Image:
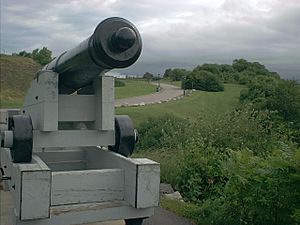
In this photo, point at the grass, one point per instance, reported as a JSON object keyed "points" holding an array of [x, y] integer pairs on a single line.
{"points": [[11, 104], [17, 72], [134, 87], [15, 76], [206, 105], [184, 209]]}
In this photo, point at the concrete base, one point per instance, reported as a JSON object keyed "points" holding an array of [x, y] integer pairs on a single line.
{"points": [[6, 211]]}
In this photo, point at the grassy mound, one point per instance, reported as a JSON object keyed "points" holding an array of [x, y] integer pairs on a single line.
{"points": [[17, 72], [15, 76]]}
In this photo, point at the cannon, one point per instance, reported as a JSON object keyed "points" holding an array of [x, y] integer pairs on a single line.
{"points": [[115, 43], [65, 155]]}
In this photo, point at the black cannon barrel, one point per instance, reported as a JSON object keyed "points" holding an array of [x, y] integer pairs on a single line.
{"points": [[115, 43]]}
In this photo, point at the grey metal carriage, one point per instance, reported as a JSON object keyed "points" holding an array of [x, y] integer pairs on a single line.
{"points": [[65, 155]]}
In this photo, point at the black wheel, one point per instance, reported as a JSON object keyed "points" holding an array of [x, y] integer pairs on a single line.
{"points": [[21, 126], [138, 221], [125, 136]]}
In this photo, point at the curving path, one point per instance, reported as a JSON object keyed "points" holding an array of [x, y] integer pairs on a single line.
{"points": [[166, 93]]}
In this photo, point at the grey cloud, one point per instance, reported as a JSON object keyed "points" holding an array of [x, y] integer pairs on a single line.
{"points": [[175, 33]]}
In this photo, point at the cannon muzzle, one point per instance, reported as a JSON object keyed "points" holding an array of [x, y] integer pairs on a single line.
{"points": [[115, 43]]}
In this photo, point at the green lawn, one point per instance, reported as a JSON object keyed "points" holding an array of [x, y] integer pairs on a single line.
{"points": [[205, 105], [168, 81], [11, 103], [134, 87]]}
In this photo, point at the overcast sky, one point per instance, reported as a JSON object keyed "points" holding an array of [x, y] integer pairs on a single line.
{"points": [[175, 33]]}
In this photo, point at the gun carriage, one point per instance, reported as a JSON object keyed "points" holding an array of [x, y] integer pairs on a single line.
{"points": [[65, 155]]}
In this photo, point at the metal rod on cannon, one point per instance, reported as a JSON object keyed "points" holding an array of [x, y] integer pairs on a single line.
{"points": [[115, 43]]}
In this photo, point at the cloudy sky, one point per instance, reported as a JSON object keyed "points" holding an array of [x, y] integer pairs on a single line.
{"points": [[177, 33]]}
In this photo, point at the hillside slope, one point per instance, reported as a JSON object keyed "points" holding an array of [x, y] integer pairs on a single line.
{"points": [[201, 105], [16, 73]]}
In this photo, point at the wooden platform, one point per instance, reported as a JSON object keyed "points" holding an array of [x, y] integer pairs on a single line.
{"points": [[6, 207]]}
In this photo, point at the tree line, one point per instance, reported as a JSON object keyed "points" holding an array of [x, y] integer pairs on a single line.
{"points": [[43, 56], [241, 168], [210, 77]]}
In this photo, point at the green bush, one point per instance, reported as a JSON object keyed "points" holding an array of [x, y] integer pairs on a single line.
{"points": [[42, 56], [238, 170], [119, 83], [165, 131], [238, 186], [243, 128], [202, 80], [200, 176], [243, 168], [258, 190], [279, 96], [285, 98]]}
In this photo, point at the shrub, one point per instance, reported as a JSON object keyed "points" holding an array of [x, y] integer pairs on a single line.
{"points": [[280, 96], [165, 131], [285, 98], [119, 83], [243, 128], [200, 176], [202, 80], [258, 190], [239, 187]]}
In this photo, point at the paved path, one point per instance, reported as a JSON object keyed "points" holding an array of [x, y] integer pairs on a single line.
{"points": [[161, 216], [167, 92]]}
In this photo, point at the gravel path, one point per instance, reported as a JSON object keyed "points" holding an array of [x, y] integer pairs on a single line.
{"points": [[166, 93]]}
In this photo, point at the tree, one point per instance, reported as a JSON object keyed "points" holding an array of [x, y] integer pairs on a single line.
{"points": [[168, 73], [42, 56], [285, 99], [148, 76], [213, 68], [240, 65], [24, 54], [176, 74], [202, 80]]}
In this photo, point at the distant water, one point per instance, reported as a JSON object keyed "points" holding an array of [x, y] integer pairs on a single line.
{"points": [[286, 72]]}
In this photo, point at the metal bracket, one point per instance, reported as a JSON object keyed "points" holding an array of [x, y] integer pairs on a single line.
{"points": [[5, 178]]}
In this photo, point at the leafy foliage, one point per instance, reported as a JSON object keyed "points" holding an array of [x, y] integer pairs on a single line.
{"points": [[238, 170], [280, 96], [258, 190], [242, 168], [166, 131], [202, 80], [241, 71], [148, 76], [119, 83], [175, 74], [42, 56]]}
